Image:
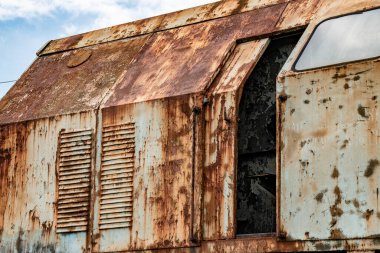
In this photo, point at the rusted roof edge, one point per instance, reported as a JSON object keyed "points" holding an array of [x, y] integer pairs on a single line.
{"points": [[154, 24], [95, 108]]}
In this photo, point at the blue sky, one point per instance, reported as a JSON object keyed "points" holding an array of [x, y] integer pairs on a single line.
{"points": [[26, 25]]}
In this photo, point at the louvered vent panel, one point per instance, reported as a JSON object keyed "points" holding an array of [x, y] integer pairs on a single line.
{"points": [[74, 180], [116, 201]]}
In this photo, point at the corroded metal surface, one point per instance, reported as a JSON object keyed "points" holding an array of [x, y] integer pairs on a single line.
{"points": [[272, 244], [180, 89], [159, 23], [29, 189], [322, 134], [163, 175], [188, 58], [298, 13], [49, 87], [329, 8]]}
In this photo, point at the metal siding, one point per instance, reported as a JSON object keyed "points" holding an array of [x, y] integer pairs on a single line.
{"points": [[162, 185], [329, 160], [168, 139], [297, 14], [27, 212]]}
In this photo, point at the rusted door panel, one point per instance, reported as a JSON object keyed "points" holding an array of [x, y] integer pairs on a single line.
{"points": [[298, 13], [330, 156], [219, 212], [163, 175], [29, 186]]}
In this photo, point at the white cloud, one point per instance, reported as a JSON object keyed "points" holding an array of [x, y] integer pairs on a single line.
{"points": [[10, 9]]}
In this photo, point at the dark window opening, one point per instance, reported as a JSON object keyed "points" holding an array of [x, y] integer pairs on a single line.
{"points": [[256, 171]]}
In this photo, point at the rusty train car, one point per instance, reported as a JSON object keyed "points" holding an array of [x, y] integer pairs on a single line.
{"points": [[237, 126]]}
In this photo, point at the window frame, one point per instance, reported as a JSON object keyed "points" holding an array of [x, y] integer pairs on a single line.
{"points": [[293, 68]]}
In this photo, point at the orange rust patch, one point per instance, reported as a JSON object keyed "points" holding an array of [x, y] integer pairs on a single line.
{"points": [[319, 133]]}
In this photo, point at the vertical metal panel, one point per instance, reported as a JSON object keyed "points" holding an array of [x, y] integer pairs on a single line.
{"points": [[220, 141], [118, 156], [329, 159], [74, 173], [28, 201], [162, 178]]}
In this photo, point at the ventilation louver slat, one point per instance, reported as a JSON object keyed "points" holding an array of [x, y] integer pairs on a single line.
{"points": [[74, 176], [116, 201]]}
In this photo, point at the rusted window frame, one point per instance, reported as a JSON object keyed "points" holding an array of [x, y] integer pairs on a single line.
{"points": [[293, 68]]}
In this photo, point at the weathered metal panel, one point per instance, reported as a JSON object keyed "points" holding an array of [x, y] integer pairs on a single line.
{"points": [[186, 60], [297, 14], [163, 175], [329, 8], [336, 185], [219, 212], [68, 82], [180, 18], [28, 187], [329, 160]]}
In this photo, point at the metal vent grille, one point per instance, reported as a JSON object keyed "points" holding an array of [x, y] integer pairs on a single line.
{"points": [[116, 201], [74, 180]]}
